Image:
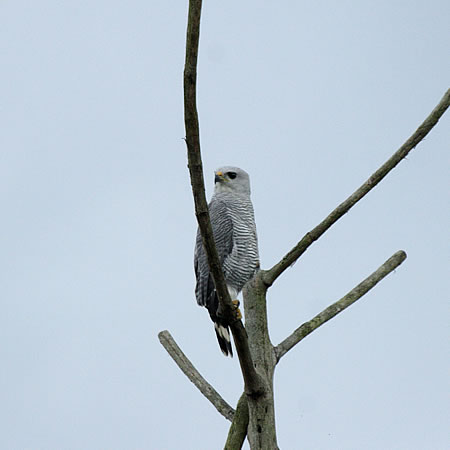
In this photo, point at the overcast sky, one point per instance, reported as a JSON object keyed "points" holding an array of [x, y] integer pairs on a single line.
{"points": [[97, 228]]}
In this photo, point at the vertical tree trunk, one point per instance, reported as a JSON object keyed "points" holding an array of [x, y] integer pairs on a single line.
{"points": [[261, 428]]}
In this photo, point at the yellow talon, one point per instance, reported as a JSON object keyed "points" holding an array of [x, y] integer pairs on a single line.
{"points": [[237, 312]]}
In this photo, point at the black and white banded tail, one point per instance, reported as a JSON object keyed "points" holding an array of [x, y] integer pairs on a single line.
{"points": [[224, 339]]}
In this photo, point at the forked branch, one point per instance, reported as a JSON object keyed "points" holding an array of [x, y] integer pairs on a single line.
{"points": [[328, 313], [271, 275]]}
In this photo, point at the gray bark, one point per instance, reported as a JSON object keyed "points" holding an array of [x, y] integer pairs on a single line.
{"points": [[238, 429], [261, 427], [194, 375]]}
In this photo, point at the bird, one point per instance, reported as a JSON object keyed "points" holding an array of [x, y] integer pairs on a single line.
{"points": [[234, 229]]}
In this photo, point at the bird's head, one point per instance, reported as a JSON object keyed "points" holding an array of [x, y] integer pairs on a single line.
{"points": [[231, 179]]}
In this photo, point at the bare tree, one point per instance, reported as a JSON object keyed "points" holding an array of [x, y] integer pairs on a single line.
{"points": [[254, 416]]}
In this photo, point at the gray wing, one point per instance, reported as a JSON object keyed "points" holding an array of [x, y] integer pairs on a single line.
{"points": [[222, 227]]}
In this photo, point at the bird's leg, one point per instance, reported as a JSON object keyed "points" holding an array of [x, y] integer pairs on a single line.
{"points": [[237, 310]]}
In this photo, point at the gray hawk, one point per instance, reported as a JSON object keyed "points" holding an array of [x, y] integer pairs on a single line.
{"points": [[234, 230]]}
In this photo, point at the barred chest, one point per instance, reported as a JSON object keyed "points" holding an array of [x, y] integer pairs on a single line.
{"points": [[244, 259]]}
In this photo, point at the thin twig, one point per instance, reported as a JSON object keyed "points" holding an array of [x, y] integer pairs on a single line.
{"points": [[271, 275], [193, 374], [328, 313], [253, 384]]}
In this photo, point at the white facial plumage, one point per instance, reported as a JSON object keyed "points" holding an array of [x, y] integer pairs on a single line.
{"points": [[231, 179]]}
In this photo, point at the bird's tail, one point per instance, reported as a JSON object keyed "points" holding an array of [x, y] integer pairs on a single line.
{"points": [[223, 337]]}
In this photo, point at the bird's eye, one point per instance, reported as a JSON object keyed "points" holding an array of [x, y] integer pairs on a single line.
{"points": [[231, 175]]}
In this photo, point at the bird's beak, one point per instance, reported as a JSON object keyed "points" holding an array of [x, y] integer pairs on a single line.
{"points": [[219, 177]]}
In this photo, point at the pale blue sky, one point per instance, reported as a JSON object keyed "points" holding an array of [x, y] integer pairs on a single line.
{"points": [[97, 229]]}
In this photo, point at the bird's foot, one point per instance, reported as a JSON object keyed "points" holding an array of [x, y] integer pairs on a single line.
{"points": [[237, 310]]}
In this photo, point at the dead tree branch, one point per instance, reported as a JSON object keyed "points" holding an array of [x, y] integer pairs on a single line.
{"points": [[238, 429], [194, 376], [271, 275], [253, 383], [328, 313], [255, 415]]}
